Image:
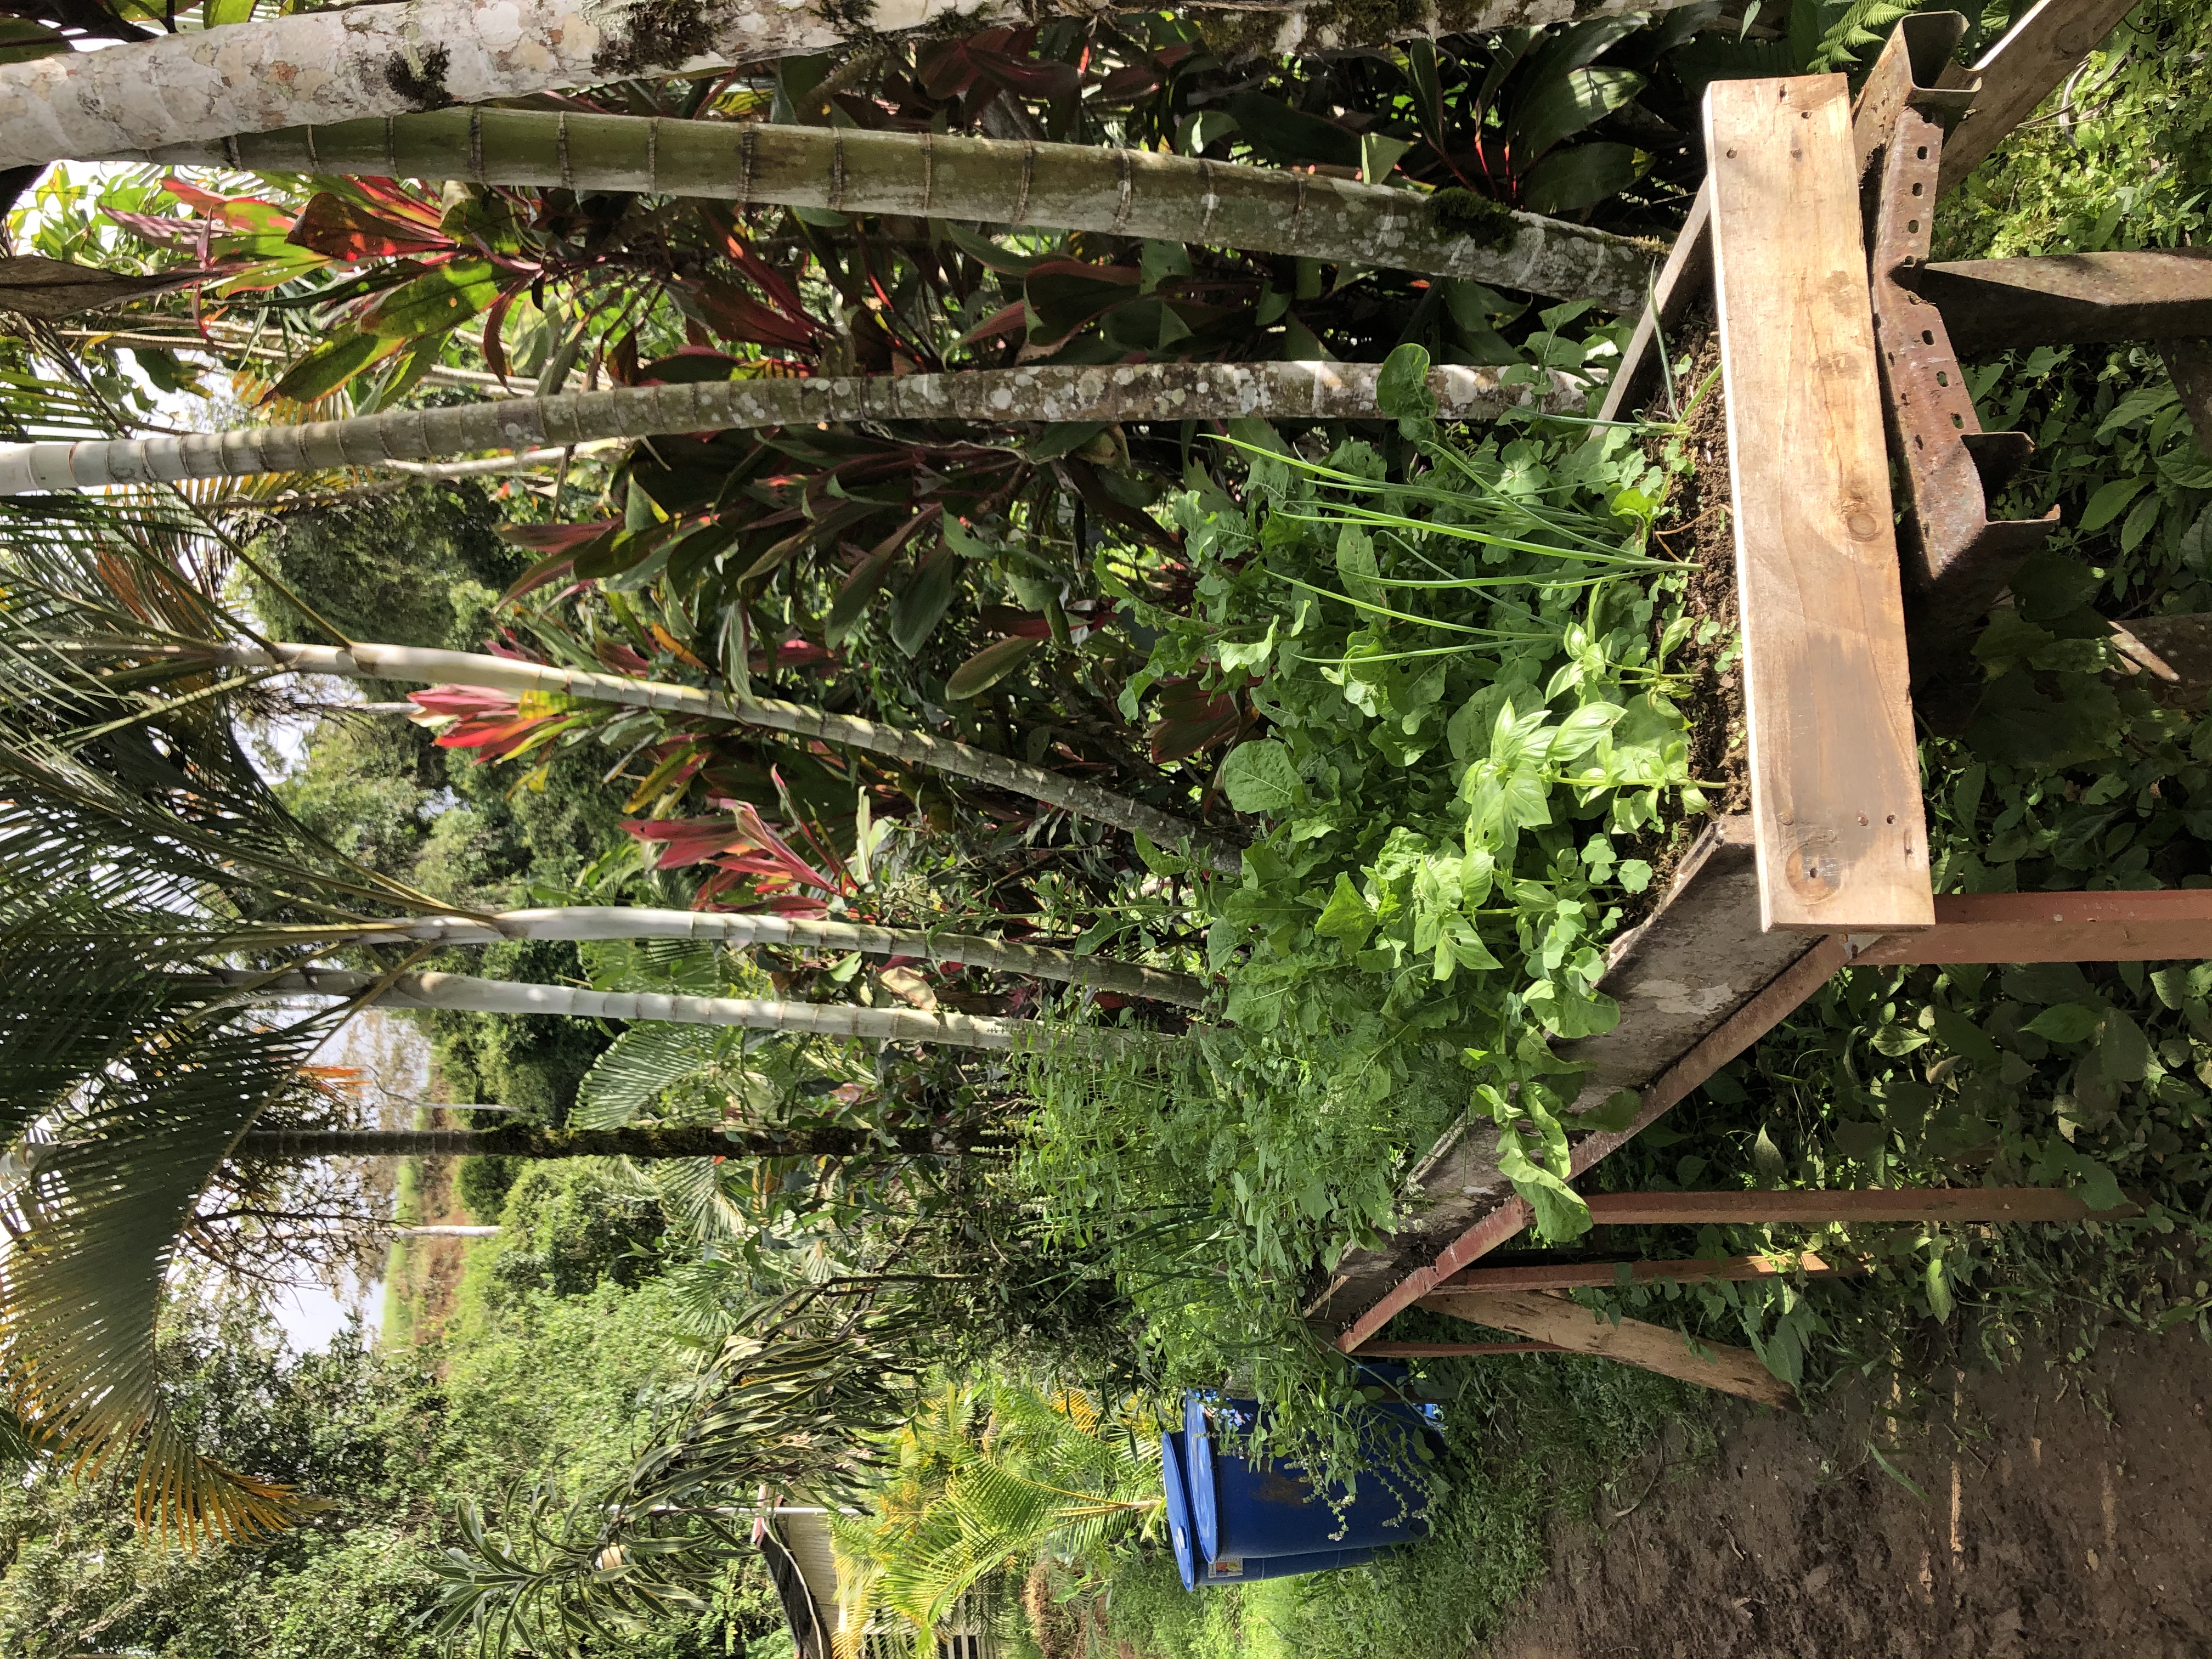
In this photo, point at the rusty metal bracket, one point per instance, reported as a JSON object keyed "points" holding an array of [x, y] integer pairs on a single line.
{"points": [[1957, 559]]}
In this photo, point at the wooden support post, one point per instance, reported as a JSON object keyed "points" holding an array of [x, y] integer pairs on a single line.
{"points": [[2190, 362], [1602, 1275], [2171, 925], [1818, 1207], [2020, 71], [1835, 769], [1630, 1341]]}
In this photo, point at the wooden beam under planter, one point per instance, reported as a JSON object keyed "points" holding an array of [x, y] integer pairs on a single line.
{"points": [[1569, 1325]]}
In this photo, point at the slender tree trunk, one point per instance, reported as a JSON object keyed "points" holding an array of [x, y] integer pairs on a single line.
{"points": [[376, 60], [636, 1140], [1129, 192], [468, 994], [1048, 393], [621, 922], [401, 662], [441, 1231]]}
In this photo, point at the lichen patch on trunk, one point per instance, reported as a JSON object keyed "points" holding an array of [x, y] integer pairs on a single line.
{"points": [[659, 35], [420, 76]]}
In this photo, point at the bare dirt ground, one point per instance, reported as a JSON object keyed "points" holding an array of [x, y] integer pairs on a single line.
{"points": [[2065, 1515]]}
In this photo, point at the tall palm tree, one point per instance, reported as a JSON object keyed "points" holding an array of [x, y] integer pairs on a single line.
{"points": [[467, 993], [738, 931], [1124, 191], [1050, 393], [346, 64], [210, 657]]}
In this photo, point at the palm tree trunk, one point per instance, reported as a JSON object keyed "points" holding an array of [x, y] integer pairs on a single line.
{"points": [[738, 932], [1128, 192], [347, 62], [403, 662], [636, 1140], [1055, 393], [468, 994]]}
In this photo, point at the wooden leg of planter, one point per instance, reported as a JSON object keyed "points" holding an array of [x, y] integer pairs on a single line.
{"points": [[2018, 72], [1818, 1207], [2190, 362], [1650, 1347], [1599, 1275], [1451, 1350], [1834, 760], [2172, 924]]}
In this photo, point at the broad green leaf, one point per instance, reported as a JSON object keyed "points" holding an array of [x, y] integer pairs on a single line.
{"points": [[1347, 916], [1260, 777], [1613, 1114], [1939, 1288], [988, 667], [1569, 180], [1560, 1211], [1378, 155], [921, 603], [331, 365], [1965, 1038], [1564, 106], [2123, 1050], [434, 302], [1402, 388], [2064, 1022], [2105, 506]]}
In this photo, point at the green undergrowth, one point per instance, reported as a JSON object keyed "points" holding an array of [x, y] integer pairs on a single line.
{"points": [[1466, 656]]}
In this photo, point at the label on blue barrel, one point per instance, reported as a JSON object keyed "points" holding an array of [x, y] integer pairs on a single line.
{"points": [[1225, 1568]]}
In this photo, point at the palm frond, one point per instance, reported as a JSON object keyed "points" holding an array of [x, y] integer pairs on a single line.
{"points": [[120, 1106]]}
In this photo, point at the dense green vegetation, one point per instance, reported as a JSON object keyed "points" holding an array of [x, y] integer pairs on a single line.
{"points": [[1443, 685]]}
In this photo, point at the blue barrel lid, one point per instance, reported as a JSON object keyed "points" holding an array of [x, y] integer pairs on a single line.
{"points": [[1181, 1534]]}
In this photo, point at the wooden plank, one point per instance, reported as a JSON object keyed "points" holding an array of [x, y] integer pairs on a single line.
{"points": [[1685, 278], [1600, 1275], [1818, 1207], [1835, 772], [2022, 69], [2172, 924], [1452, 1350], [1630, 1341], [1699, 983]]}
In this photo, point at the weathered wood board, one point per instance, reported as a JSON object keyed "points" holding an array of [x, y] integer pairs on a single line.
{"points": [[1685, 278], [1682, 977], [1554, 1319], [1842, 834]]}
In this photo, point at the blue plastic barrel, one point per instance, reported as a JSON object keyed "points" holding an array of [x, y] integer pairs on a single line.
{"points": [[1194, 1572], [1244, 1512]]}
